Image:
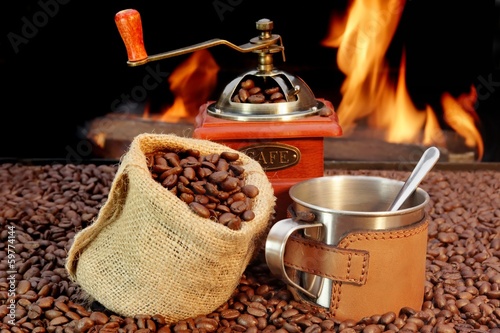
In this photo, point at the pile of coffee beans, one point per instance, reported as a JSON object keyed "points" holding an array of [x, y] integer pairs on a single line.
{"points": [[249, 92], [212, 185], [43, 206]]}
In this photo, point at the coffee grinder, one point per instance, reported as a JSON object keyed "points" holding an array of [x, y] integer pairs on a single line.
{"points": [[269, 114]]}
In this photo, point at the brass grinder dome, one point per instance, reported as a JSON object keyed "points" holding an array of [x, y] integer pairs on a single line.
{"points": [[300, 100]]}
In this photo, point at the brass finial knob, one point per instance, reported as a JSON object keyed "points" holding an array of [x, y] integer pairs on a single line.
{"points": [[265, 26]]}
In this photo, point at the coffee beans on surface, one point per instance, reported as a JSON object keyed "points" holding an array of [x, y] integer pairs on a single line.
{"points": [[43, 206]]}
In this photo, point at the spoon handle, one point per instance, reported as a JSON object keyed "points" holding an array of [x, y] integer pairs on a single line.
{"points": [[424, 165]]}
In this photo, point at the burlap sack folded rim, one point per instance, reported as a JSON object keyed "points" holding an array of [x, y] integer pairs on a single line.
{"points": [[133, 165]]}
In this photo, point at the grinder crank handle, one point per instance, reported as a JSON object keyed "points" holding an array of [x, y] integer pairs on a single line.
{"points": [[128, 22]]}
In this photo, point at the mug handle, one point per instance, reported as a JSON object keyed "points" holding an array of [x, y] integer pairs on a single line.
{"points": [[275, 248]]}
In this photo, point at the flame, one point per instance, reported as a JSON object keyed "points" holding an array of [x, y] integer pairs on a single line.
{"points": [[192, 83], [461, 118], [372, 96]]}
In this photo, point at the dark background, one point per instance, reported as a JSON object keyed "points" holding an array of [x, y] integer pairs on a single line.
{"points": [[63, 63]]}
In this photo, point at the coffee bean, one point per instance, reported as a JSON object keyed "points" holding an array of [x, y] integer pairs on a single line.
{"points": [[237, 170], [225, 218], [248, 84], [251, 93], [170, 181], [228, 184], [58, 321], [247, 320], [256, 312], [222, 165], [230, 314], [200, 209], [289, 313], [186, 197], [61, 306], [34, 311], [207, 324], [387, 318], [248, 215], [271, 91], [230, 156], [234, 224], [256, 99], [250, 191], [276, 96], [243, 95], [45, 302], [218, 177], [238, 207]]}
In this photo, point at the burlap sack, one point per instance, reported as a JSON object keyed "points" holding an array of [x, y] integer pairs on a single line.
{"points": [[148, 253]]}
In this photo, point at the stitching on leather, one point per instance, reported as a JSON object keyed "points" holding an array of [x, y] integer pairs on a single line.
{"points": [[329, 249], [350, 255], [383, 235], [335, 297], [364, 271], [349, 266], [333, 277]]}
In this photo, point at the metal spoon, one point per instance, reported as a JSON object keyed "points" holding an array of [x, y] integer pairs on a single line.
{"points": [[424, 165]]}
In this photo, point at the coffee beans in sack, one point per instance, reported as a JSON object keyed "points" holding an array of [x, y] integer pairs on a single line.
{"points": [[183, 219]]}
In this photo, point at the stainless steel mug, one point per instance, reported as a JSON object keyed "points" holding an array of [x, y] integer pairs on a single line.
{"points": [[340, 206]]}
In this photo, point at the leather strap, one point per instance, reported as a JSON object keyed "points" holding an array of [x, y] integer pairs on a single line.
{"points": [[344, 265], [395, 279]]}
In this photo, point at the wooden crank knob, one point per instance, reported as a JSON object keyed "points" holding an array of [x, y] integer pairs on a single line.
{"points": [[129, 25]]}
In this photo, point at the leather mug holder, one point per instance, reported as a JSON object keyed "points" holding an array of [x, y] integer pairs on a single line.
{"points": [[372, 272]]}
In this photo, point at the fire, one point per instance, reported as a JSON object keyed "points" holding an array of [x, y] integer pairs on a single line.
{"points": [[369, 93], [459, 117], [192, 83]]}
